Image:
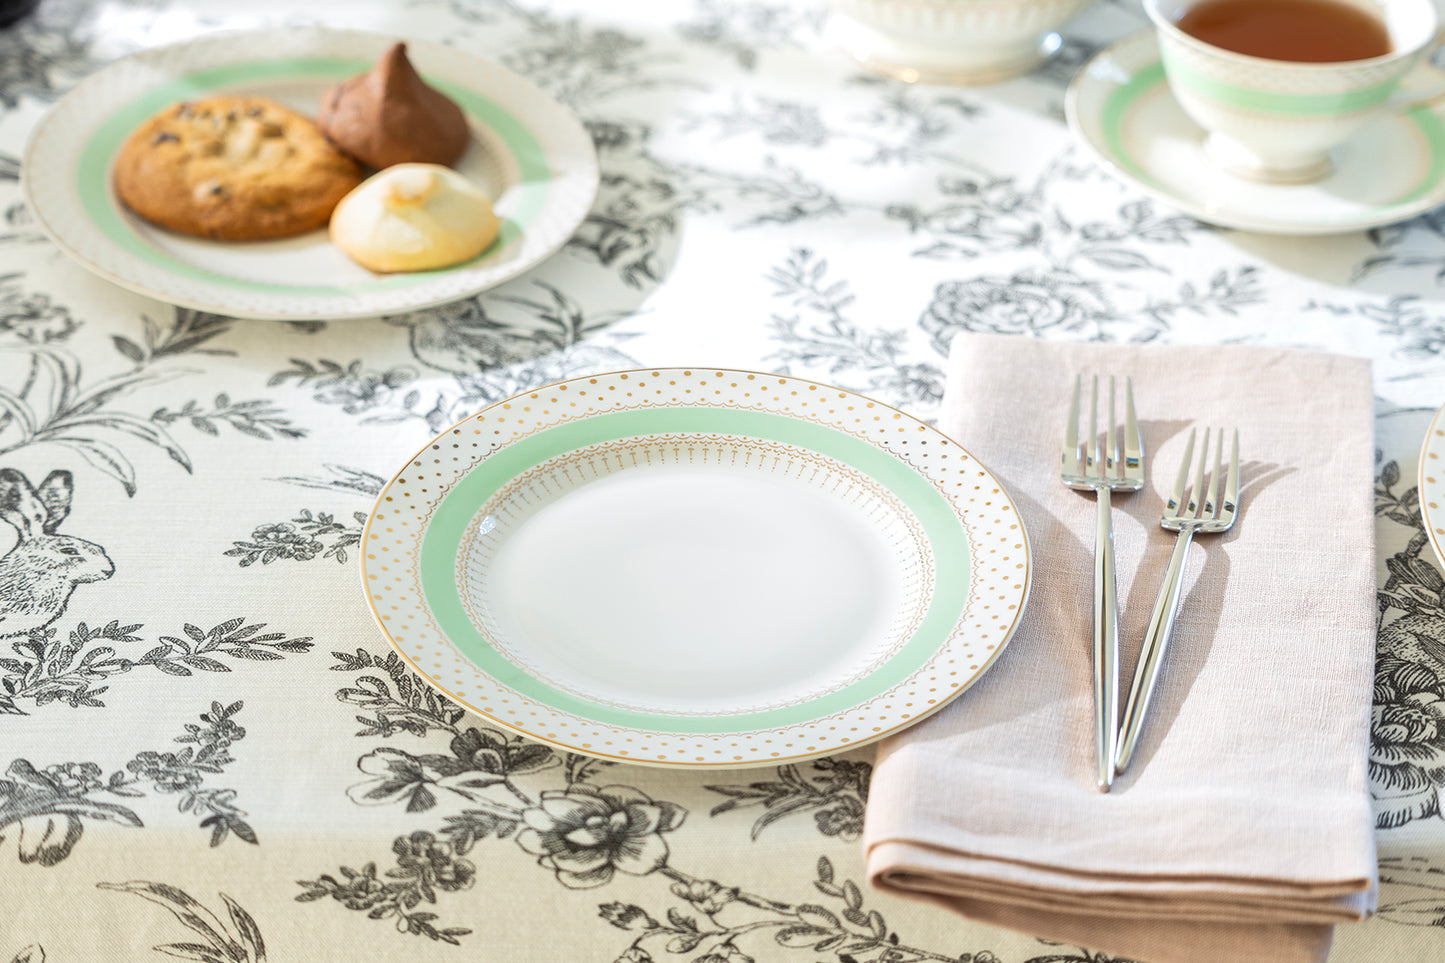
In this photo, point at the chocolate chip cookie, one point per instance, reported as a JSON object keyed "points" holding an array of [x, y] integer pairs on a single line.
{"points": [[233, 169]]}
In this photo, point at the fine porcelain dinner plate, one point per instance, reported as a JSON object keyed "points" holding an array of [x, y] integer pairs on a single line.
{"points": [[1432, 484], [696, 567], [1120, 106], [531, 155]]}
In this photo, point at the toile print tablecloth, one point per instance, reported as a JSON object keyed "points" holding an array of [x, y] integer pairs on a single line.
{"points": [[208, 752]]}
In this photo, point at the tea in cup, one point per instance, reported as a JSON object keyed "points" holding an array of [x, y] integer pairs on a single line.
{"points": [[1278, 83], [950, 41]]}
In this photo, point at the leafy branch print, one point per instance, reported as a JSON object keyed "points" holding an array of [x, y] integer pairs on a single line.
{"points": [[777, 122], [586, 834], [634, 215], [69, 670], [181, 773], [49, 670], [195, 648], [476, 334], [258, 419], [478, 760], [341, 478], [239, 943], [423, 867], [547, 338], [1225, 292], [56, 405], [743, 31], [32, 318], [188, 333], [1404, 317], [837, 792], [579, 768], [352, 387], [1075, 287], [641, 198], [835, 344], [578, 63], [852, 933], [400, 702], [43, 56], [989, 215], [1391, 237], [17, 225], [303, 538], [780, 194], [52, 407], [898, 126], [48, 805]]}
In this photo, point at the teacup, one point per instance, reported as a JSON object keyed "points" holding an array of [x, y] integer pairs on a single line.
{"points": [[1277, 120], [951, 41]]}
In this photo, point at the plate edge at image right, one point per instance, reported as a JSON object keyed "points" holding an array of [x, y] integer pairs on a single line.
{"points": [[1431, 484]]}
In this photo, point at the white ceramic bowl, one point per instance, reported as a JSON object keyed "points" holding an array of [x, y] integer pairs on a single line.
{"points": [[951, 41]]}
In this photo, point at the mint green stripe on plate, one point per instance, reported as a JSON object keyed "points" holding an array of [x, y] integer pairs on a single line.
{"points": [[441, 546], [93, 171], [1291, 105], [1117, 106]]}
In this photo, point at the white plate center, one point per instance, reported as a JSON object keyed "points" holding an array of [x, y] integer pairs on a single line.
{"points": [[694, 588]]}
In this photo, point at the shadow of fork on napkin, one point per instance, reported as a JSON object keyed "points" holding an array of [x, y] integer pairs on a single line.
{"points": [[1010, 691], [1202, 601]]}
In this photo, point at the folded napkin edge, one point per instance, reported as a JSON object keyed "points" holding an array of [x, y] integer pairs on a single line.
{"points": [[1154, 939], [1104, 906], [887, 856]]}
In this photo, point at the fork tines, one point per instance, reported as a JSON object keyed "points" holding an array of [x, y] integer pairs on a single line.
{"points": [[1088, 465], [1178, 512]]}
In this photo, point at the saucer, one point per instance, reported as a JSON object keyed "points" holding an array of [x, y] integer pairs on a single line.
{"points": [[1120, 106]]}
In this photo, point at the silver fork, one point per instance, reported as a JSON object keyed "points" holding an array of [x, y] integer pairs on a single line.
{"points": [[1086, 466], [1212, 514]]}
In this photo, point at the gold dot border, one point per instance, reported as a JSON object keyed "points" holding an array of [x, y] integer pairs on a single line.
{"points": [[999, 544]]}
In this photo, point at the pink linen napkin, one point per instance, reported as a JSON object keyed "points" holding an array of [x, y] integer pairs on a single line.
{"points": [[1242, 830]]}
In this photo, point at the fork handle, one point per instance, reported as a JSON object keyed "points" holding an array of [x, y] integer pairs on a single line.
{"points": [[1151, 655], [1106, 646]]}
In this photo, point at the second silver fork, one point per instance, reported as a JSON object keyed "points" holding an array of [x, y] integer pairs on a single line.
{"points": [[1103, 471], [1207, 511]]}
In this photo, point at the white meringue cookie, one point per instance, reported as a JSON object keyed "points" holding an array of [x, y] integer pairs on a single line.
{"points": [[414, 217]]}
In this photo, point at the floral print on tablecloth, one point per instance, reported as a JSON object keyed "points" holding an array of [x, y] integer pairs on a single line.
{"points": [[206, 745]]}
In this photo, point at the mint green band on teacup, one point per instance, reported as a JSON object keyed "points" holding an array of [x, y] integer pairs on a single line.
{"points": [[1117, 106], [1270, 102], [1147, 81], [93, 170], [1433, 130], [442, 542]]}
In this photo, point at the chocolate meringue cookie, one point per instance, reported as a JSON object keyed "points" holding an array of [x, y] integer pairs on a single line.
{"points": [[414, 217], [389, 115]]}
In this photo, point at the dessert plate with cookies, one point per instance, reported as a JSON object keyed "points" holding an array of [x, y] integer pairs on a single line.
{"points": [[311, 174]]}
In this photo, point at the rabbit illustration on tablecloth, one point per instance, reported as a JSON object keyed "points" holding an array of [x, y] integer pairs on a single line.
{"points": [[38, 574]]}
